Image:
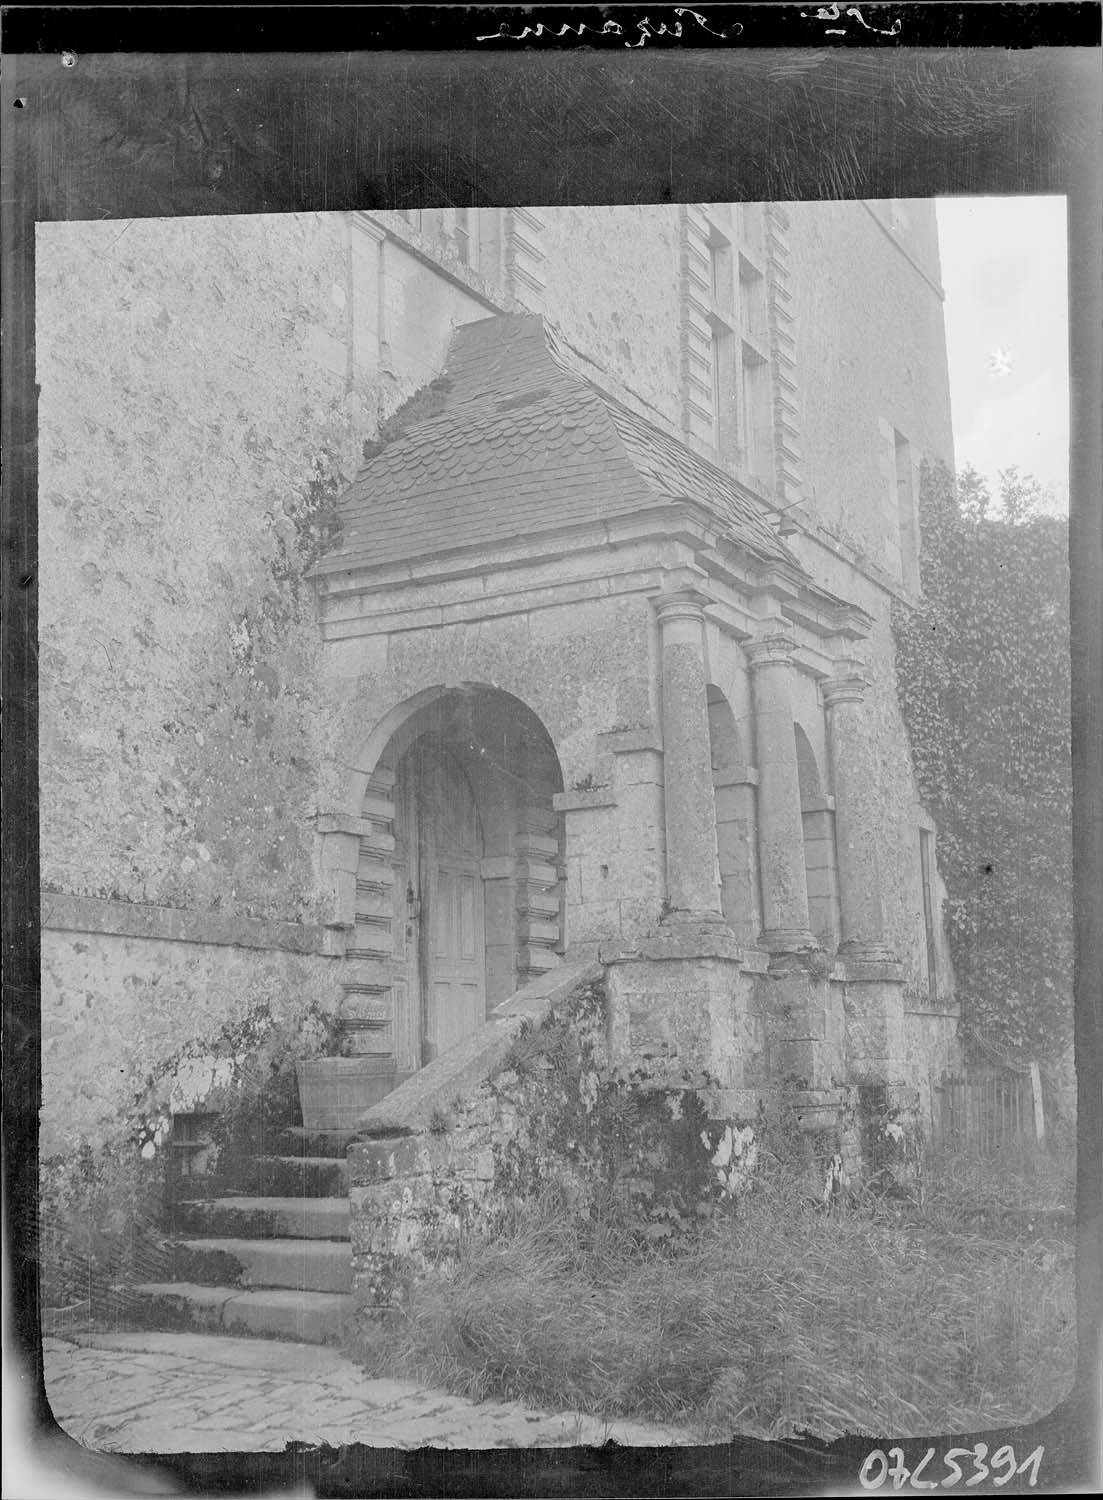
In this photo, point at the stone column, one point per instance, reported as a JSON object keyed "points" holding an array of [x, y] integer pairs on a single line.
{"points": [[856, 783], [692, 867], [785, 926]]}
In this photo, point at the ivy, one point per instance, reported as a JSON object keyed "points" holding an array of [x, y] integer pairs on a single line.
{"points": [[983, 672]]}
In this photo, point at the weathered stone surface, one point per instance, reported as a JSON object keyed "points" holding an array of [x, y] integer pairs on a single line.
{"points": [[551, 1112], [209, 732], [692, 869], [309, 1265], [433, 1088], [168, 1021]]}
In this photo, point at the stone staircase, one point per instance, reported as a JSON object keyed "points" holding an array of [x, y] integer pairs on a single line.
{"points": [[261, 1251]]}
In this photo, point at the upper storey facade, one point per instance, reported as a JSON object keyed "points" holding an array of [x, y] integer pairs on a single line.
{"points": [[800, 347]]}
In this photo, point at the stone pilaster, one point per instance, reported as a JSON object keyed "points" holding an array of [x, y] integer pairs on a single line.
{"points": [[785, 925], [692, 865], [856, 783]]}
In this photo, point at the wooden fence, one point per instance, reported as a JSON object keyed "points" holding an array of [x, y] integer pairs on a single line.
{"points": [[986, 1110]]}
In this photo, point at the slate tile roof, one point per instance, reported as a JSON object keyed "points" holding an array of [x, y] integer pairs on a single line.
{"points": [[522, 443]]}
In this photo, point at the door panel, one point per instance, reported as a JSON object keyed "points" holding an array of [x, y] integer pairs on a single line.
{"points": [[438, 853]]}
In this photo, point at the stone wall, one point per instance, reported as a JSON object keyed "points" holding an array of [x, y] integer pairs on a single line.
{"points": [[538, 1103], [137, 1028], [618, 306], [206, 384], [871, 314], [535, 1103]]}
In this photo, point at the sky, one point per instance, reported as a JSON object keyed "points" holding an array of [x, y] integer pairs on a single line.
{"points": [[1004, 274]]}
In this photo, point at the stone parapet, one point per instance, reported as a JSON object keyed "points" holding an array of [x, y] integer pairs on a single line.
{"points": [[470, 1062], [450, 1152]]}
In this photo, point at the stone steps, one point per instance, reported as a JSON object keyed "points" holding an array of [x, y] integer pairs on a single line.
{"points": [[297, 1140], [252, 1218], [259, 1249], [303, 1265], [290, 1176], [309, 1317]]}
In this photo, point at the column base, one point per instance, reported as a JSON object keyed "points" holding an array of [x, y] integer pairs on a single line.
{"points": [[700, 920], [786, 939], [858, 951], [679, 1018], [873, 1005]]}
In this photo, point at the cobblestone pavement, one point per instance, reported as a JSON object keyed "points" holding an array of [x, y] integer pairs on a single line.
{"points": [[192, 1393]]}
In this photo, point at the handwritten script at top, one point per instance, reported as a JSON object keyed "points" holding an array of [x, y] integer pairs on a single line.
{"points": [[645, 29], [834, 12]]}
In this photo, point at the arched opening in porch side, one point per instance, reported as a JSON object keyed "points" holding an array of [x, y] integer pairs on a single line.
{"points": [[818, 820], [736, 821]]}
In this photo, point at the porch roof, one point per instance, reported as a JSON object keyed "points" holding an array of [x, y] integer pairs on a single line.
{"points": [[513, 442]]}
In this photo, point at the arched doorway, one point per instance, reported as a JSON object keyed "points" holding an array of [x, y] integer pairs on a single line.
{"points": [[437, 866], [459, 877]]}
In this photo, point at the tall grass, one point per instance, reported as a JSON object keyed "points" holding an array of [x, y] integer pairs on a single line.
{"points": [[770, 1320]]}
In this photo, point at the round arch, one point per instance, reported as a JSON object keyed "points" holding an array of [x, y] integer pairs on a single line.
{"points": [[820, 865], [458, 872], [736, 821]]}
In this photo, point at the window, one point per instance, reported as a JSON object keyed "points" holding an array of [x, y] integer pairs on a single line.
{"points": [[721, 335], [907, 516], [757, 415], [720, 271], [926, 866], [727, 360], [752, 300]]}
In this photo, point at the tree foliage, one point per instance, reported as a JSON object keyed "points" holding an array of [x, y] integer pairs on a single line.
{"points": [[983, 668]]}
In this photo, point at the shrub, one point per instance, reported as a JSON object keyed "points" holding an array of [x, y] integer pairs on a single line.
{"points": [[983, 673], [98, 1224]]}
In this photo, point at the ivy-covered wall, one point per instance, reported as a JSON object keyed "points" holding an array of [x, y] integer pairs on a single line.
{"points": [[983, 665]]}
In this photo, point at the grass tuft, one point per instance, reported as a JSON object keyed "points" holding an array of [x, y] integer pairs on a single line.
{"points": [[772, 1319]]}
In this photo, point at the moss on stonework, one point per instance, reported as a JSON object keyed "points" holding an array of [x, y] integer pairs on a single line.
{"points": [[105, 1210], [421, 406], [99, 1223], [605, 1135]]}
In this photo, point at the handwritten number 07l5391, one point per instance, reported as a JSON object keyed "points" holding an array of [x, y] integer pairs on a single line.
{"points": [[880, 1466]]}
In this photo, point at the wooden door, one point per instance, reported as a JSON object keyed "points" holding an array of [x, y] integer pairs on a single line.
{"points": [[442, 905]]}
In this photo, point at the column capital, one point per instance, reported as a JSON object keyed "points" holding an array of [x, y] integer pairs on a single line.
{"points": [[682, 604], [849, 689], [770, 650]]}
